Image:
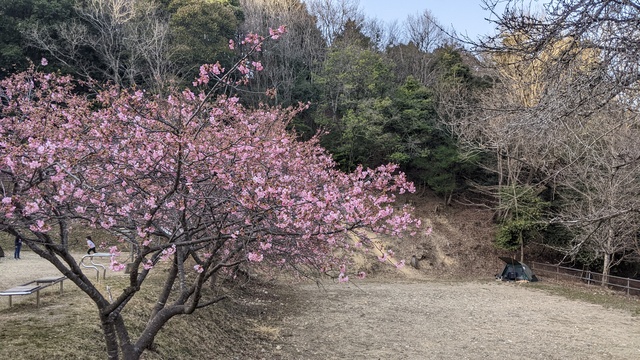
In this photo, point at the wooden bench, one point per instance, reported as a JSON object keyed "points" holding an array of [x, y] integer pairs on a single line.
{"points": [[34, 287]]}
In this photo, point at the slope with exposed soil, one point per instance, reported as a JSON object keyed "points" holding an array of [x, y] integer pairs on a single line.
{"points": [[461, 244]]}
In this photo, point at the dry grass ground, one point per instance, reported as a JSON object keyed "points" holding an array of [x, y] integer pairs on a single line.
{"points": [[454, 320], [393, 316], [66, 326], [408, 314], [61, 327]]}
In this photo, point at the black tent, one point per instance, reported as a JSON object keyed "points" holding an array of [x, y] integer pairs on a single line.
{"points": [[515, 270]]}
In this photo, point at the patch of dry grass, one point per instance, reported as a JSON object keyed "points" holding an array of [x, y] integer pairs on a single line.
{"points": [[593, 294], [66, 326]]}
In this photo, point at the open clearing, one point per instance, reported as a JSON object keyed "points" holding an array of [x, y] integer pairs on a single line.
{"points": [[382, 319], [468, 320]]}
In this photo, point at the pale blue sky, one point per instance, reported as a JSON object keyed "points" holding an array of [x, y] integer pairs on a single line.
{"points": [[465, 16]]}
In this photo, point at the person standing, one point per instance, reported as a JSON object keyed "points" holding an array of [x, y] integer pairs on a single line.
{"points": [[18, 244], [91, 245]]}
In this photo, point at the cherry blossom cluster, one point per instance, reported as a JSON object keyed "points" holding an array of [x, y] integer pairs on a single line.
{"points": [[197, 178]]}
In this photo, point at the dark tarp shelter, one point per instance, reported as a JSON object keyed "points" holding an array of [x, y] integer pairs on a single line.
{"points": [[515, 270]]}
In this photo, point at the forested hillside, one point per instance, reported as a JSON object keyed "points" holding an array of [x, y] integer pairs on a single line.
{"points": [[214, 117]]}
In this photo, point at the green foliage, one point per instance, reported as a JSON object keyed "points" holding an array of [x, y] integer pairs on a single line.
{"points": [[512, 233], [350, 74], [428, 152], [446, 168], [201, 30], [449, 65], [363, 140], [523, 216], [371, 121], [354, 83], [352, 35], [557, 235]]}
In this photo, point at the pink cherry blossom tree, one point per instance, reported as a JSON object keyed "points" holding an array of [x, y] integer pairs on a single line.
{"points": [[190, 179]]}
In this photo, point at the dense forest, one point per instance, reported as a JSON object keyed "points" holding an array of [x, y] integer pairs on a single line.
{"points": [[538, 123]]}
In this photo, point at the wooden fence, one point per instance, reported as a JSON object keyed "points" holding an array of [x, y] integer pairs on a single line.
{"points": [[630, 286]]}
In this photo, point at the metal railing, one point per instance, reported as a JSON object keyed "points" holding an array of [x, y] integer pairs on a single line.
{"points": [[630, 286]]}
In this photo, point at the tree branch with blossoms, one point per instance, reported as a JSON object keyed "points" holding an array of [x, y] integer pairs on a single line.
{"points": [[197, 184]]}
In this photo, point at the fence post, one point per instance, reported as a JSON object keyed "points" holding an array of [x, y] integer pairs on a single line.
{"points": [[628, 286]]}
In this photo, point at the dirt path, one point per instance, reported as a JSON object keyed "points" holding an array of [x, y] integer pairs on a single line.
{"points": [[29, 267], [451, 321]]}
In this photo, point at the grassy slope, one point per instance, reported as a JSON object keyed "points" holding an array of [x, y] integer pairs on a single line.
{"points": [[66, 327]]}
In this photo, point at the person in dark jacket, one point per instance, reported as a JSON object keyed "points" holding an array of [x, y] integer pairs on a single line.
{"points": [[18, 244]]}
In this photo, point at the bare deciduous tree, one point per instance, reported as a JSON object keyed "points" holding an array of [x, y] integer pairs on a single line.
{"points": [[129, 38], [332, 15], [294, 57], [424, 31], [603, 201], [563, 114], [612, 28]]}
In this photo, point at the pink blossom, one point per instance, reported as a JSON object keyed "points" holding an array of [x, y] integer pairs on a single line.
{"points": [[116, 266], [31, 208], [168, 252], [400, 265], [243, 69], [122, 158], [40, 226], [232, 44], [204, 76], [343, 278], [44, 62], [113, 250], [257, 65], [198, 268], [254, 257], [275, 34], [362, 275], [9, 162], [217, 68], [428, 231]]}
